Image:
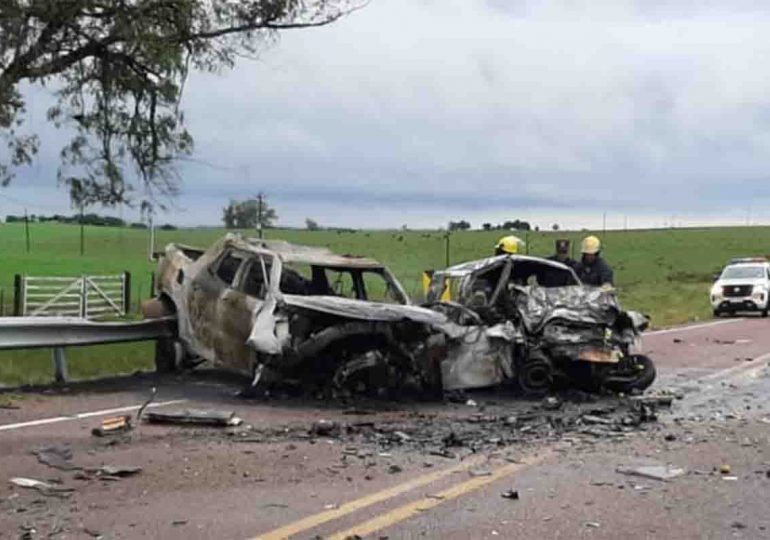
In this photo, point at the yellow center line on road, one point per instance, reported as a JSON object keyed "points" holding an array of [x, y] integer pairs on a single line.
{"points": [[323, 517], [418, 507]]}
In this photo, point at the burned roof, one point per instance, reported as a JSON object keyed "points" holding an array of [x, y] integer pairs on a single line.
{"points": [[466, 268], [296, 253]]}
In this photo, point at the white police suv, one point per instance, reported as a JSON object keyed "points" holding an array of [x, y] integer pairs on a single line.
{"points": [[743, 285]]}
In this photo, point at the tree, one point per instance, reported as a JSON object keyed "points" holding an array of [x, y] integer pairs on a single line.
{"points": [[516, 225], [118, 68], [487, 226], [244, 214], [312, 225], [555, 226], [461, 225]]}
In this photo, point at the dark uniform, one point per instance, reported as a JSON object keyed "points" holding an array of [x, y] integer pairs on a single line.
{"points": [[597, 273], [555, 277]]}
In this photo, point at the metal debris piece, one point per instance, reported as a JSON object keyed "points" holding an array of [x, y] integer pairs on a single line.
{"points": [[510, 494], [43, 487], [113, 425], [325, 428], [118, 471], [153, 393], [592, 419], [195, 417], [725, 469], [654, 472], [56, 456], [656, 401], [551, 403]]}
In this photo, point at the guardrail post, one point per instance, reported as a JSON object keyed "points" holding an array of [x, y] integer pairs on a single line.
{"points": [[17, 295], [60, 365]]}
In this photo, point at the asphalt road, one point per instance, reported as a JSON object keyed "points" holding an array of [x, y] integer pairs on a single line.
{"points": [[280, 482]]}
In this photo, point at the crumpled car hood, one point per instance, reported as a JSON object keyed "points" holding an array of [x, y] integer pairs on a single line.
{"points": [[579, 304], [364, 310]]}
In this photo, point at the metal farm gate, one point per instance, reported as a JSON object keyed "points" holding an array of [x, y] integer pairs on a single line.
{"points": [[87, 297]]}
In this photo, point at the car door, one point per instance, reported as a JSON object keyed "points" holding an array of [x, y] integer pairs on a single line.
{"points": [[236, 311], [203, 302]]}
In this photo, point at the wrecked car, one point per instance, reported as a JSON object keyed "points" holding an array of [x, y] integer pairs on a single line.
{"points": [[503, 326], [279, 311]]}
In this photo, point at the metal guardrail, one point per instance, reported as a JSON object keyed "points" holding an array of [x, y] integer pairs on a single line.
{"points": [[37, 332], [60, 332]]}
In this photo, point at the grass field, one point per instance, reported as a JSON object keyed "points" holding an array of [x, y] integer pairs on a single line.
{"points": [[665, 273]]}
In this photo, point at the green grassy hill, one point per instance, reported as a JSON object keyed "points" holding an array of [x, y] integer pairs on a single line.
{"points": [[665, 273]]}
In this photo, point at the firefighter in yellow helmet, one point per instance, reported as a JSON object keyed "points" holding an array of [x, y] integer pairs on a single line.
{"points": [[592, 269], [508, 244]]}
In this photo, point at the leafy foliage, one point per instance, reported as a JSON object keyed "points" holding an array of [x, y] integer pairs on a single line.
{"points": [[245, 214], [118, 69]]}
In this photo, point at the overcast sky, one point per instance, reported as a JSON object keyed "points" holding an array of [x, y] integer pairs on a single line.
{"points": [[420, 111]]}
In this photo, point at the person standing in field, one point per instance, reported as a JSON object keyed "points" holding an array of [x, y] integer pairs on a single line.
{"points": [[558, 278], [592, 269], [508, 244]]}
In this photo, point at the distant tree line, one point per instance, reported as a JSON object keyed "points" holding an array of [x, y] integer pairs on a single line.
{"points": [[515, 225], [461, 225], [87, 219]]}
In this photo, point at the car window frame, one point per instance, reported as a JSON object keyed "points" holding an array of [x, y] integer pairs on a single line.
{"points": [[243, 271], [214, 268]]}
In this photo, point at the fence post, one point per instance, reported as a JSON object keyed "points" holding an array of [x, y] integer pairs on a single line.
{"points": [[126, 292], [83, 297], [152, 284], [17, 295], [60, 365]]}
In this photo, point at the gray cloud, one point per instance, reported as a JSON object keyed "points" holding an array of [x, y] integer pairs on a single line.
{"points": [[425, 110]]}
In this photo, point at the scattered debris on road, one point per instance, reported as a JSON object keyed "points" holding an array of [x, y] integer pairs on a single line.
{"points": [[56, 456], [118, 471], [194, 417], [113, 425], [43, 487], [663, 473], [510, 494], [325, 428]]}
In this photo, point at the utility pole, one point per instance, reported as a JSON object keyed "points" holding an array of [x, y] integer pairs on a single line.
{"points": [[604, 224], [26, 227], [260, 197], [446, 238], [82, 233], [151, 224]]}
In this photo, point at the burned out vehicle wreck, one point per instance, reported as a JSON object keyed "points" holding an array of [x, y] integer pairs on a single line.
{"points": [[289, 314], [504, 326], [306, 317]]}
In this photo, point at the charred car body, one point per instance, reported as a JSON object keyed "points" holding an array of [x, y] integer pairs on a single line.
{"points": [[508, 327], [286, 313], [275, 310]]}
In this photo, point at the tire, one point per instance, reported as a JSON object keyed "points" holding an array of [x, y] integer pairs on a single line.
{"points": [[535, 376], [641, 380], [169, 355], [717, 314], [763, 313]]}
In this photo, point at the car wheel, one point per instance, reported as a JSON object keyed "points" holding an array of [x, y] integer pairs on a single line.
{"points": [[717, 313], [764, 311], [642, 376], [169, 355]]}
